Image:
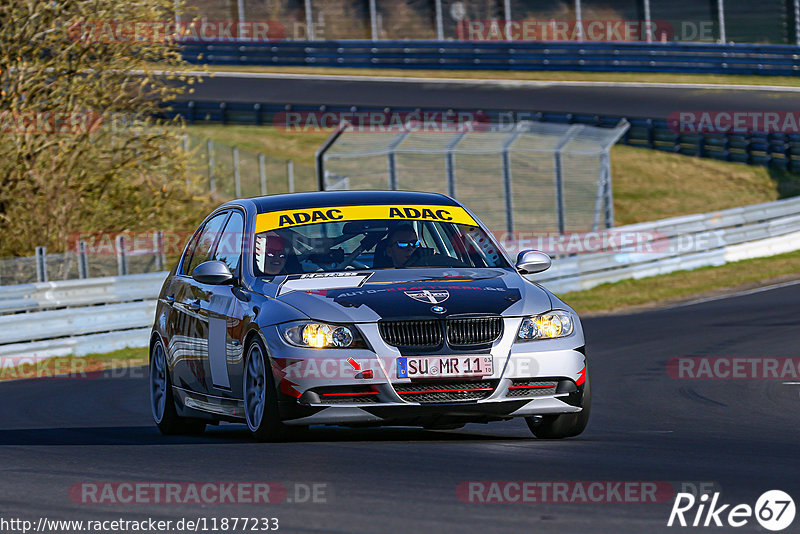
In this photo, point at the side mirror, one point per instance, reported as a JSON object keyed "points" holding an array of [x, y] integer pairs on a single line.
{"points": [[212, 273], [532, 261]]}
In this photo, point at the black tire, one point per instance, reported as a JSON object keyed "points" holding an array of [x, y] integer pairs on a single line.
{"points": [[259, 387], [565, 425], [166, 416]]}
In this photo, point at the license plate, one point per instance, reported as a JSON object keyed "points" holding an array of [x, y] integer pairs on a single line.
{"points": [[443, 366]]}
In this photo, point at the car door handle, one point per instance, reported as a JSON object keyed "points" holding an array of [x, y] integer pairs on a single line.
{"points": [[193, 305]]}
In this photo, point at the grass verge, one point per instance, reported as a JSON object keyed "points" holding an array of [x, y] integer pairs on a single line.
{"points": [[651, 185], [655, 77], [297, 146]]}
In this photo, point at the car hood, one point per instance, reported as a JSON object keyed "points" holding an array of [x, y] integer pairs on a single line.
{"points": [[369, 296]]}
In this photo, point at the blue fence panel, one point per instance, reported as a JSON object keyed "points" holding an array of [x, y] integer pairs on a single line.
{"points": [[516, 55]]}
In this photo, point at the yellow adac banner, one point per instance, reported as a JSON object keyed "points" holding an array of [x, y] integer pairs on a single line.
{"points": [[276, 220]]}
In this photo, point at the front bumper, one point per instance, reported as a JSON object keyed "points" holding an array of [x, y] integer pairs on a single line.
{"points": [[322, 386]]}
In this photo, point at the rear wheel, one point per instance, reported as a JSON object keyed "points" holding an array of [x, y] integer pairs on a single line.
{"points": [[564, 425], [260, 396], [162, 401]]}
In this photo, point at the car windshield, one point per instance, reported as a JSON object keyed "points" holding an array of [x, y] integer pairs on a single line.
{"points": [[373, 244]]}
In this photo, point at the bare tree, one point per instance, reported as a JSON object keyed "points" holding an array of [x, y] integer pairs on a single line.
{"points": [[80, 149]]}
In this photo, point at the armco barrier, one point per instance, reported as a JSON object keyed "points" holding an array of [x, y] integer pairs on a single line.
{"points": [[84, 325], [17, 353], [72, 293], [50, 324], [506, 55], [715, 239]]}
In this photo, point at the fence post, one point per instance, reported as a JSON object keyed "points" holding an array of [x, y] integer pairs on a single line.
{"points": [[508, 193], [309, 21], [507, 16], [648, 25], [559, 191], [373, 20], [158, 250], [242, 18], [391, 157], [237, 179], [83, 260], [262, 174], [721, 18], [319, 155], [579, 20], [391, 165], [122, 259], [450, 163], [796, 21], [41, 264], [211, 181], [608, 190], [559, 178], [290, 175], [439, 21]]}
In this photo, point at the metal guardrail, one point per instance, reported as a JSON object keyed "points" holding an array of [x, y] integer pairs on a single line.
{"points": [[772, 150], [682, 243], [710, 58], [100, 315], [52, 324], [16, 353], [76, 293], [77, 317]]}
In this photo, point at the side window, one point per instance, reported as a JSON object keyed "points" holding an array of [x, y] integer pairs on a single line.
{"points": [[229, 248], [432, 237], [187, 256], [205, 242]]}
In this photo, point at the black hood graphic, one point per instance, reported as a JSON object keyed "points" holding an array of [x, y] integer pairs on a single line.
{"points": [[424, 294], [418, 299]]}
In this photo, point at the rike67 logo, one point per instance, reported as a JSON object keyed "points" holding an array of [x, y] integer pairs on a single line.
{"points": [[774, 510]]}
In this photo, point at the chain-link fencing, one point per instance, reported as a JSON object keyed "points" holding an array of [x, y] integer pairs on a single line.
{"points": [[533, 176], [768, 21]]}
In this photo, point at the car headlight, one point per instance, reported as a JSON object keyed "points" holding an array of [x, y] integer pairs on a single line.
{"points": [[548, 325], [322, 336]]}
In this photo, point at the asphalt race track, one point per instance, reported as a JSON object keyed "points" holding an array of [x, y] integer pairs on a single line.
{"points": [[653, 101], [740, 435]]}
